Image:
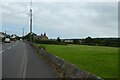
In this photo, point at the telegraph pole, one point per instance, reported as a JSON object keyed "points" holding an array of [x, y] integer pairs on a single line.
{"points": [[30, 25], [30, 22], [5, 31], [23, 34]]}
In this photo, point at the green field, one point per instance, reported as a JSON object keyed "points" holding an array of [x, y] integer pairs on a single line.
{"points": [[99, 60]]}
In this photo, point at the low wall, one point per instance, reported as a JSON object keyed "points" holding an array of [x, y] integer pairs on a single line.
{"points": [[65, 69]]}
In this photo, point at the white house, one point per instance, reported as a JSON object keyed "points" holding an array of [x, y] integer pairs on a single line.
{"points": [[68, 40], [2, 35]]}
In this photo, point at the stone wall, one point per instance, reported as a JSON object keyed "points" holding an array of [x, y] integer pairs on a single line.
{"points": [[65, 69]]}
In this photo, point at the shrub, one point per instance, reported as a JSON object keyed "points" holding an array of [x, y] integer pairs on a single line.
{"points": [[48, 42], [42, 47]]}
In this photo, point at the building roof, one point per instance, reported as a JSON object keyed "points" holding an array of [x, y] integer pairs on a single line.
{"points": [[2, 33]]}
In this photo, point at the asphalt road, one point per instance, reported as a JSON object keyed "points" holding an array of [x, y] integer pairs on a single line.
{"points": [[19, 60]]}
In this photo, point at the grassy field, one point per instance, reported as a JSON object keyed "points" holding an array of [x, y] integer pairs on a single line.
{"points": [[99, 60]]}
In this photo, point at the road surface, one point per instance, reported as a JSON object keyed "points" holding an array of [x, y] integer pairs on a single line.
{"points": [[19, 60]]}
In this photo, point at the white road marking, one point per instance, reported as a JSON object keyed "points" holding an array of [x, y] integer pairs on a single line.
{"points": [[23, 65], [2, 51], [15, 43], [9, 48]]}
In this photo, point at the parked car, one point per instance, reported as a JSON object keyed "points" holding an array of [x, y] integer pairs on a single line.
{"points": [[7, 40]]}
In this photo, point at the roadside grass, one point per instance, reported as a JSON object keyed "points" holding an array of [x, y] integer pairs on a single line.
{"points": [[99, 60]]}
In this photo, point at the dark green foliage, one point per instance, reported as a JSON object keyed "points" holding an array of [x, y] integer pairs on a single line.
{"points": [[112, 42], [76, 41], [7, 36], [45, 41], [38, 41], [27, 37], [89, 41], [42, 47], [58, 39]]}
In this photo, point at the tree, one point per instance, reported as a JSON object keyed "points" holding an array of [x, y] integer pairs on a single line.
{"points": [[58, 39], [76, 41], [27, 37], [89, 40]]}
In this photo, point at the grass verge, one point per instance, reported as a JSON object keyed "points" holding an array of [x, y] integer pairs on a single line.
{"points": [[99, 60]]}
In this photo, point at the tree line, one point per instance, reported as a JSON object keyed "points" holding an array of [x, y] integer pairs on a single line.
{"points": [[112, 42]]}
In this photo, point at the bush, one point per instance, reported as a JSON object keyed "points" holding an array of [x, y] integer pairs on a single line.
{"points": [[48, 42], [42, 47]]}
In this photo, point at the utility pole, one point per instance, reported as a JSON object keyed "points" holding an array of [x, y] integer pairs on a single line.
{"points": [[23, 34], [31, 22], [30, 25], [5, 31]]}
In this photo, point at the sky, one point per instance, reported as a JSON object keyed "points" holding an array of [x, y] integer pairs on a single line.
{"points": [[62, 19]]}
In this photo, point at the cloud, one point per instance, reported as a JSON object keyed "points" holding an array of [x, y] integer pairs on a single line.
{"points": [[64, 19], [60, 0]]}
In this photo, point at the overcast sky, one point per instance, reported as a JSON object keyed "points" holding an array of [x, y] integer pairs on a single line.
{"points": [[63, 19]]}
